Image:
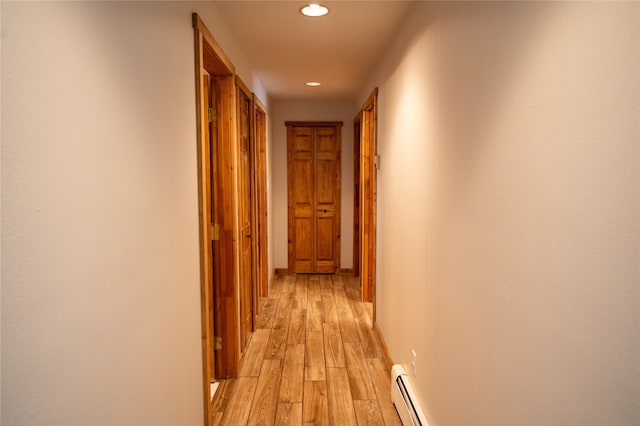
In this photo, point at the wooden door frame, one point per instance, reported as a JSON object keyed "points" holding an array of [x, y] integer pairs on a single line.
{"points": [[262, 238], [243, 90], [368, 197], [291, 210], [217, 268], [357, 241]]}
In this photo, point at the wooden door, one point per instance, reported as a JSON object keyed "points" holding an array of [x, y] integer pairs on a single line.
{"points": [[368, 198], [357, 243], [260, 136], [209, 134], [217, 207], [313, 160], [244, 204]]}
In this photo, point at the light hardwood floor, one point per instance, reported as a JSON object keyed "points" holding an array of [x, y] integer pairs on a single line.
{"points": [[313, 359]]}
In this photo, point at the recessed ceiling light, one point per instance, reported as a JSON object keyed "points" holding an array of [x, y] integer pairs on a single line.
{"points": [[314, 10], [313, 83]]}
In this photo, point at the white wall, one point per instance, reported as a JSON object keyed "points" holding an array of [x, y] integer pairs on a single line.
{"points": [[100, 259], [509, 211], [311, 111]]}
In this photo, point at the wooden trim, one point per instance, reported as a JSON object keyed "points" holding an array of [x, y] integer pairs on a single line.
{"points": [[385, 350], [216, 186], [281, 271], [290, 208], [338, 203], [258, 103], [206, 278], [371, 100], [313, 123], [357, 238], [243, 90], [199, 26], [368, 198], [229, 223], [345, 272], [260, 134]]}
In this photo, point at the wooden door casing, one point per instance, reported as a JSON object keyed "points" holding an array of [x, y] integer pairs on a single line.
{"points": [[261, 225], [357, 242], [368, 198], [215, 95], [244, 216], [313, 173]]}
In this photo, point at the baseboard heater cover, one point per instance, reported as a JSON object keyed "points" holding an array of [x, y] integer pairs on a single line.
{"points": [[404, 398]]}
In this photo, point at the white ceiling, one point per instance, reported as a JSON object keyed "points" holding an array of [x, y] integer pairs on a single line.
{"points": [[287, 49]]}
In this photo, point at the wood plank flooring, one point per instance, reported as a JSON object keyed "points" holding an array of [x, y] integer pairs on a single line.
{"points": [[313, 359]]}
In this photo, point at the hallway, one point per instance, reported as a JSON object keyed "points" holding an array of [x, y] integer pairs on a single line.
{"points": [[313, 358]]}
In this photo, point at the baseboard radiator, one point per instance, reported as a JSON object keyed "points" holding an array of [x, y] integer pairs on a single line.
{"points": [[404, 399]]}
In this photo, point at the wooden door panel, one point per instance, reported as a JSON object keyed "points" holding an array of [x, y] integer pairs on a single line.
{"points": [[324, 242], [314, 188], [303, 184], [244, 204], [325, 182], [326, 140], [304, 244], [327, 192], [260, 133]]}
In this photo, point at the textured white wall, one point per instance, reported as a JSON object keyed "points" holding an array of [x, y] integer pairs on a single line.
{"points": [[311, 111], [100, 257], [509, 211]]}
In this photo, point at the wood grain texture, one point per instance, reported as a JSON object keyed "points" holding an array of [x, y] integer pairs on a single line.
{"points": [[291, 385], [359, 378], [315, 315], [260, 160], [340, 295], [305, 370], [275, 287], [381, 378], [268, 308], [313, 291], [329, 309], [348, 325], [314, 368], [313, 194], [284, 306], [326, 287], [289, 284], [368, 413], [289, 414], [216, 418], [301, 286], [255, 353], [364, 326], [297, 326], [265, 401], [223, 395], [299, 303], [238, 410], [334, 352], [339, 398], [278, 339], [315, 406]]}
